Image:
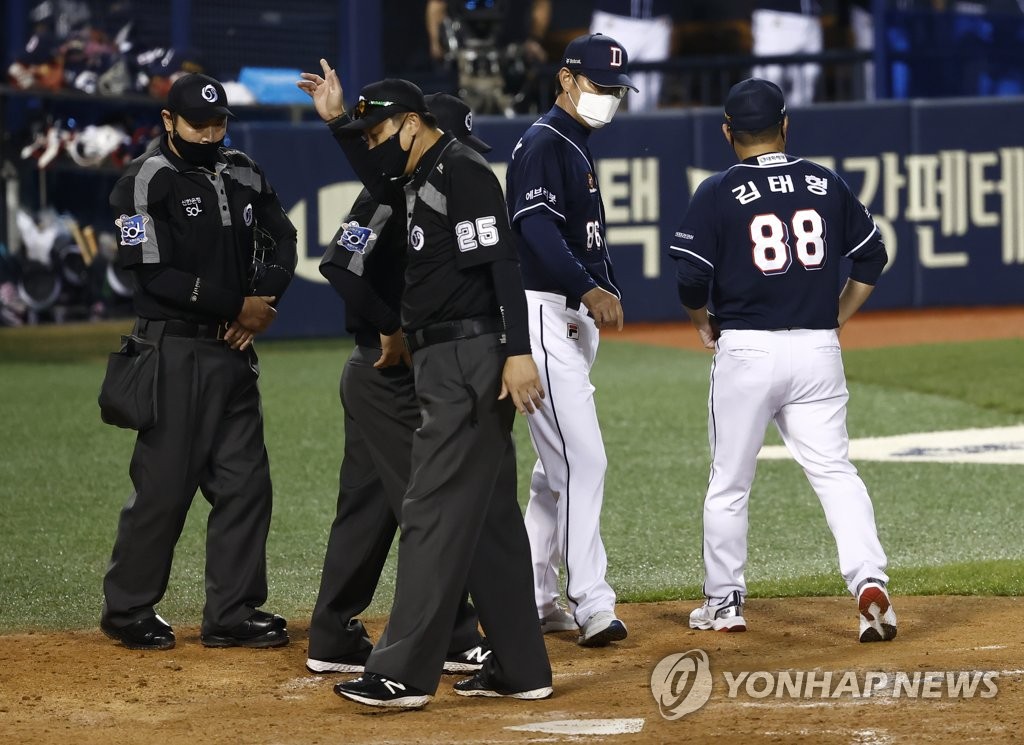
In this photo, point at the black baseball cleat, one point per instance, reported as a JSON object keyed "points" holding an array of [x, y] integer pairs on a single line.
{"points": [[348, 663], [468, 660], [479, 685], [376, 690], [148, 633], [259, 631]]}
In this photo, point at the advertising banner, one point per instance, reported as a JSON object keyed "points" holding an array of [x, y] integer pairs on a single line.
{"points": [[944, 182]]}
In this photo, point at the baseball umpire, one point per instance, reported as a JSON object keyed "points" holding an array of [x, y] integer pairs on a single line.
{"points": [[365, 263], [187, 211], [464, 315], [554, 201], [763, 241]]}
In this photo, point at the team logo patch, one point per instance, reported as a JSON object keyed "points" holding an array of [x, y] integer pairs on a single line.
{"points": [[209, 93], [193, 206], [133, 229], [572, 331], [469, 121], [416, 238], [590, 183], [355, 237], [247, 215]]}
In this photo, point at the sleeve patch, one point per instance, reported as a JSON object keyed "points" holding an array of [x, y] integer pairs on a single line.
{"points": [[133, 229], [356, 238]]}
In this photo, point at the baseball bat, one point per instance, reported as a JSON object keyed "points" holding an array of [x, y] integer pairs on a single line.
{"points": [[90, 240], [76, 233]]}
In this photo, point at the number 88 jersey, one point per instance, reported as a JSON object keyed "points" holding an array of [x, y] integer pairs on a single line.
{"points": [[767, 237]]}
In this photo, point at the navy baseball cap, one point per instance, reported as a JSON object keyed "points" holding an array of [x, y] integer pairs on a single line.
{"points": [[600, 58], [754, 104], [198, 97], [455, 116], [382, 100]]}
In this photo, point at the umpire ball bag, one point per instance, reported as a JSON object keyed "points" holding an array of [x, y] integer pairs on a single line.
{"points": [[128, 394]]}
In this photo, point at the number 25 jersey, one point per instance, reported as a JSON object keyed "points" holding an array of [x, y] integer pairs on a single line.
{"points": [[766, 237]]}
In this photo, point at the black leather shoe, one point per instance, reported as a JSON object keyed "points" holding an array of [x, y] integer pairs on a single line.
{"points": [[149, 633], [258, 631]]}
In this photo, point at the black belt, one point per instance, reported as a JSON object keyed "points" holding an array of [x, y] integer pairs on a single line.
{"points": [[195, 330], [570, 304], [438, 333]]}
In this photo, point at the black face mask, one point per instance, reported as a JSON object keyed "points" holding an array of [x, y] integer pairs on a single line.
{"points": [[391, 158], [197, 153]]}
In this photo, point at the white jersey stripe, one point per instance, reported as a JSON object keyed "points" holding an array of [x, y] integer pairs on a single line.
{"points": [[688, 251], [534, 206], [863, 241], [582, 155]]}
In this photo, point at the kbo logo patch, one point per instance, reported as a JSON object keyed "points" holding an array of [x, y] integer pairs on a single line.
{"points": [[133, 229], [356, 238]]}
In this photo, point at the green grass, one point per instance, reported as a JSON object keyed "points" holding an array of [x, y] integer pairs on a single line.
{"points": [[947, 528]]}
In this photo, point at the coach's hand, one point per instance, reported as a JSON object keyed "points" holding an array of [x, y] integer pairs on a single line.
{"points": [[604, 307], [521, 380]]}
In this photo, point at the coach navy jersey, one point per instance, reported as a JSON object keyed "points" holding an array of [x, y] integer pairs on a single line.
{"points": [[766, 236], [552, 174], [457, 227]]}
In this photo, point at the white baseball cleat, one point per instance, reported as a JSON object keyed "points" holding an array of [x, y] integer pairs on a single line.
{"points": [[557, 620], [601, 629], [877, 618], [724, 616]]}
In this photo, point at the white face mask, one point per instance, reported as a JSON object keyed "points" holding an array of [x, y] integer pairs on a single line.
{"points": [[596, 110]]}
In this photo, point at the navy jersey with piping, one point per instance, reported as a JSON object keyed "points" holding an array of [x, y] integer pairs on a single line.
{"points": [[199, 225], [766, 237], [552, 177]]}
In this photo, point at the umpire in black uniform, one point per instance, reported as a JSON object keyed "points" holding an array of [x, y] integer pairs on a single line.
{"points": [[364, 263], [187, 211], [464, 316]]}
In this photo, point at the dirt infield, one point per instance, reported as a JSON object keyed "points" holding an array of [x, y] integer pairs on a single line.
{"points": [[79, 687]]}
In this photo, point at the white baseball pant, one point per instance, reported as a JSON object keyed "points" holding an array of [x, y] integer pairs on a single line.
{"points": [[795, 379], [563, 517]]}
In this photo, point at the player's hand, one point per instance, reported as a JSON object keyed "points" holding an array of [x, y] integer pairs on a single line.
{"points": [[238, 336], [707, 335], [328, 97], [604, 307], [393, 351], [521, 380], [257, 313]]}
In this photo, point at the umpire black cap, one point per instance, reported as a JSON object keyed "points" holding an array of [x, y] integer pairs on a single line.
{"points": [[454, 115], [198, 97], [382, 100], [754, 104]]}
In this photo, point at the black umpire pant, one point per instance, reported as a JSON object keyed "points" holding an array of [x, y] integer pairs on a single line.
{"points": [[209, 436], [381, 414], [461, 524]]}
